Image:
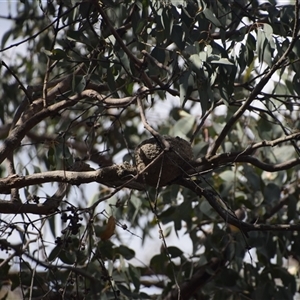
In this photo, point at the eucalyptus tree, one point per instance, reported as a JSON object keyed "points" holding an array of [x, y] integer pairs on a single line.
{"points": [[185, 117]]}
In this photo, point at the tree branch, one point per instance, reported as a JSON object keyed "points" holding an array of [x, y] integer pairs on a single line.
{"points": [[18, 133], [228, 216], [260, 85], [112, 176], [268, 167]]}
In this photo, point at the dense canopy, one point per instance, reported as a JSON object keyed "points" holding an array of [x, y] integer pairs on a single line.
{"points": [[127, 124]]}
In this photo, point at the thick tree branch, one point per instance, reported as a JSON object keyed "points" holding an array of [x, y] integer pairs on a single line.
{"points": [[112, 176], [115, 176], [210, 163], [202, 166], [17, 134]]}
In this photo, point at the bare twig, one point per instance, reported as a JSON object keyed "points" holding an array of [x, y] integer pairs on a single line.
{"points": [[272, 143], [161, 140], [22, 87], [14, 193], [33, 36], [203, 119]]}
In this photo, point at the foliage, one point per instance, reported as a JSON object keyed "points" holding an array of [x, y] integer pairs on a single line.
{"points": [[89, 82]]}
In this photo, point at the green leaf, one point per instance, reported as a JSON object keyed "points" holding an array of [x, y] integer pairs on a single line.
{"points": [[111, 81], [54, 253], [253, 179], [4, 268], [185, 87], [5, 38], [167, 215], [196, 63], [222, 61], [51, 157], [292, 207], [265, 44], [284, 153], [78, 36], [52, 223], [174, 252], [183, 127], [206, 208], [177, 36], [159, 54], [167, 20], [126, 252], [211, 17], [107, 249], [78, 83], [272, 193], [167, 231], [124, 290], [135, 275], [56, 54], [205, 97], [67, 256], [157, 263], [140, 26]]}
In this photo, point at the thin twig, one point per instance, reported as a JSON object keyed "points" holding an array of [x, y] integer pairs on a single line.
{"points": [[21, 85], [160, 139], [32, 37]]}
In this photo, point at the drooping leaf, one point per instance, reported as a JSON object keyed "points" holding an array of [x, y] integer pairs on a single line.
{"points": [[109, 229], [186, 87]]}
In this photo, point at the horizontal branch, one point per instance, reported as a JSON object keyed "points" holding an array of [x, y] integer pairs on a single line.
{"points": [[268, 167], [17, 207], [272, 143], [114, 175], [210, 163]]}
